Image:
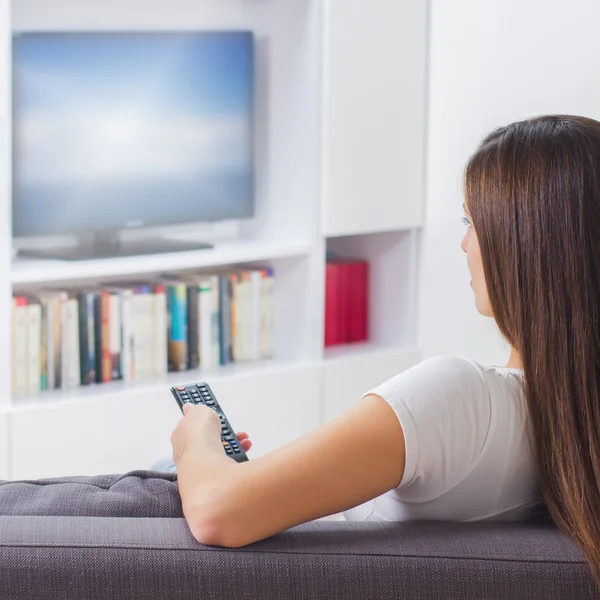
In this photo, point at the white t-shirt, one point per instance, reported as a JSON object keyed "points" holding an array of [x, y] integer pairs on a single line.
{"points": [[468, 456]]}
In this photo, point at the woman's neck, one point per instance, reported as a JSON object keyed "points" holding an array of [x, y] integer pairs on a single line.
{"points": [[514, 360]]}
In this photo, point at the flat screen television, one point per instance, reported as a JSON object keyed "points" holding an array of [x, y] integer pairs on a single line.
{"points": [[121, 130]]}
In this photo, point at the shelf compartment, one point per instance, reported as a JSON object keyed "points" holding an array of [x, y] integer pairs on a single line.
{"points": [[391, 256]]}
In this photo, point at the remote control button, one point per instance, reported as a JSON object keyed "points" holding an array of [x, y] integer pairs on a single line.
{"points": [[229, 451], [229, 438], [237, 450], [226, 444], [180, 389]]}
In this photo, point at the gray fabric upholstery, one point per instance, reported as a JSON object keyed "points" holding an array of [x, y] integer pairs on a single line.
{"points": [[133, 494], [136, 553]]}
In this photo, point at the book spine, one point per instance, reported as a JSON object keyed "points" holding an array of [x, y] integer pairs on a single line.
{"points": [[255, 314], [265, 320], [50, 344], [58, 342], [215, 322], [332, 304], [136, 321], [114, 335], [44, 346], [91, 336], [74, 360], [359, 303], [19, 344], [65, 350], [205, 305], [178, 331], [234, 280], [34, 326], [193, 331], [84, 348], [161, 333], [126, 336], [344, 292], [98, 336], [225, 319], [270, 314], [105, 324], [142, 313]]}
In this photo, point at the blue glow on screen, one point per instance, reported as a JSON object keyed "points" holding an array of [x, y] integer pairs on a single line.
{"points": [[118, 129]]}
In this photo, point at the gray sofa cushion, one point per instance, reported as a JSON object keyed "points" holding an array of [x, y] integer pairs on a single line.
{"points": [[133, 494], [137, 553]]}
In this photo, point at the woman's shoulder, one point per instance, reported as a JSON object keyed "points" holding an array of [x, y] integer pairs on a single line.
{"points": [[456, 367], [448, 378]]}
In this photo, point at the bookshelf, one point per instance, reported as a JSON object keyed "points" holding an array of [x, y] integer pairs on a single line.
{"points": [[340, 156]]}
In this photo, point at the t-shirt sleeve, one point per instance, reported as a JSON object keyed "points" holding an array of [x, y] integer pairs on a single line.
{"points": [[443, 406]]}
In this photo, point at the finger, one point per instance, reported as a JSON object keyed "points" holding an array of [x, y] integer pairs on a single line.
{"points": [[242, 435], [246, 444], [186, 408]]}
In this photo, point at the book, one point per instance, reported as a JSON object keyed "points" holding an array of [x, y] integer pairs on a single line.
{"points": [[256, 300], [73, 362], [58, 302], [234, 279], [87, 352], [143, 312], [359, 301], [193, 331], [177, 315], [224, 319], [44, 345], [267, 313], [333, 335], [346, 301], [161, 332], [34, 337], [121, 332], [215, 322], [19, 345], [127, 340], [205, 318], [114, 333]]}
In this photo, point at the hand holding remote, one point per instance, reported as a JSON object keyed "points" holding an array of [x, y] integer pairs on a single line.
{"points": [[208, 420], [243, 437]]}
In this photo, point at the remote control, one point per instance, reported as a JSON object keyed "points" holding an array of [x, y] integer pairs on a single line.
{"points": [[200, 393]]}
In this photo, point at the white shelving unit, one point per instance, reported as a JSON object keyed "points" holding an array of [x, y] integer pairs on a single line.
{"points": [[340, 136]]}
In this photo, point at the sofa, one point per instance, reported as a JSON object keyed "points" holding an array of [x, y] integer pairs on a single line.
{"points": [[124, 537]]}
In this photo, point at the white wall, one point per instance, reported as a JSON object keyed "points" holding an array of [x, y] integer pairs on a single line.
{"points": [[491, 63]]}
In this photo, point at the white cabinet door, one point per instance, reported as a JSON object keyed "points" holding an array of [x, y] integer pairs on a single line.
{"points": [[374, 115], [346, 379], [131, 430]]}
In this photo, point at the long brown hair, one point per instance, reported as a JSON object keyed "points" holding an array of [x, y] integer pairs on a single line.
{"points": [[533, 191]]}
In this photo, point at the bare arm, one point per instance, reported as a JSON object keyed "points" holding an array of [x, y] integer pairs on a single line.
{"points": [[356, 457]]}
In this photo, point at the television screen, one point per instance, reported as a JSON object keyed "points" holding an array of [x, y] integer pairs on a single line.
{"points": [[120, 130]]}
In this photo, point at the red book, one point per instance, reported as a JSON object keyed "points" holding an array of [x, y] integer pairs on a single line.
{"points": [[332, 328], [359, 306], [345, 300]]}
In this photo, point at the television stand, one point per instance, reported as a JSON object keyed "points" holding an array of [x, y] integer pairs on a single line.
{"points": [[112, 245]]}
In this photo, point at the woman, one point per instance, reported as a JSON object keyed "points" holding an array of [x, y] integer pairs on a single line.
{"points": [[450, 438]]}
